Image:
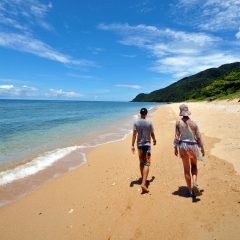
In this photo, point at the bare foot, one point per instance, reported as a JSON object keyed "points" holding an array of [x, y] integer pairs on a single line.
{"points": [[144, 188]]}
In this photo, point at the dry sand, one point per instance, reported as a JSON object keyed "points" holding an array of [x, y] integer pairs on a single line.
{"points": [[102, 199]]}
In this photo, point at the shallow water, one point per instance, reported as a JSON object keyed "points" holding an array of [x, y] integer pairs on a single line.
{"points": [[50, 138]]}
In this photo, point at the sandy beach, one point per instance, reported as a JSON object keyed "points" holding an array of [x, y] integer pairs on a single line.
{"points": [[102, 199]]}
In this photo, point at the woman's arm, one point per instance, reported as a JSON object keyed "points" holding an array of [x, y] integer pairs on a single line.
{"points": [[198, 136], [176, 138], [199, 139]]}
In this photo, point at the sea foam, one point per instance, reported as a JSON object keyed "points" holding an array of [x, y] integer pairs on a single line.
{"points": [[36, 165]]}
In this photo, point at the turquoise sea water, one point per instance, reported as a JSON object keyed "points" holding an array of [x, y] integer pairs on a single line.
{"points": [[41, 135]]}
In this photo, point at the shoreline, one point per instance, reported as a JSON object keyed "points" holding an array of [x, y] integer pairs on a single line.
{"points": [[25, 183], [102, 198], [60, 132]]}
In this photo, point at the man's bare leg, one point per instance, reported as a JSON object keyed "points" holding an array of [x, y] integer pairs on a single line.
{"points": [[141, 169], [145, 172]]}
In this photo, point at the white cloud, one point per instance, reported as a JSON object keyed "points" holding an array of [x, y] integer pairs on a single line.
{"points": [[238, 35], [6, 87], [128, 56], [50, 5], [87, 77], [187, 65], [175, 52], [143, 35], [212, 15], [21, 17], [30, 88], [26, 43], [31, 12], [96, 50], [12, 22], [187, 2], [127, 86], [144, 6], [9, 91], [60, 93]]}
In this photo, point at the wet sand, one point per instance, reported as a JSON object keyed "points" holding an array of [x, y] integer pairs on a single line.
{"points": [[103, 200]]}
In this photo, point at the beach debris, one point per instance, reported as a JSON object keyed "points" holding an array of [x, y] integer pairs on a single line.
{"points": [[70, 211], [113, 184], [40, 213]]}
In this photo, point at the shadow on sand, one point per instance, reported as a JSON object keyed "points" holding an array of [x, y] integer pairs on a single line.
{"points": [[139, 181], [183, 192]]}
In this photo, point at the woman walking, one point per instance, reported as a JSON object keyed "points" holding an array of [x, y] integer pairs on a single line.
{"points": [[189, 145]]}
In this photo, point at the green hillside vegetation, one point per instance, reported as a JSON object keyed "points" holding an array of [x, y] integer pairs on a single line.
{"points": [[228, 84], [198, 86]]}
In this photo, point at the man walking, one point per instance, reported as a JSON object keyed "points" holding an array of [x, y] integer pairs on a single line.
{"points": [[144, 131]]}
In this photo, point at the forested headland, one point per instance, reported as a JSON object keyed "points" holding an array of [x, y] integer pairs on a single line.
{"points": [[213, 83]]}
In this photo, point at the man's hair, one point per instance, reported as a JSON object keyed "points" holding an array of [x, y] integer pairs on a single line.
{"points": [[143, 111]]}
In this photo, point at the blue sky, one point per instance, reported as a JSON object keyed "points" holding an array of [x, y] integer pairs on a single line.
{"points": [[111, 50]]}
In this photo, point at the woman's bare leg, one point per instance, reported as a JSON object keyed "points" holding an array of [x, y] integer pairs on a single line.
{"points": [[186, 167], [194, 169]]}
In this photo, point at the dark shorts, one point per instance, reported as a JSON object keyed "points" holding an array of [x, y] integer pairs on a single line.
{"points": [[144, 154]]}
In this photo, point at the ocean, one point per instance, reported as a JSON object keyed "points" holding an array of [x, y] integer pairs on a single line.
{"points": [[41, 140]]}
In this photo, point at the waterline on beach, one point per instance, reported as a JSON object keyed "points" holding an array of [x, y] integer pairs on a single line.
{"points": [[35, 165], [43, 143]]}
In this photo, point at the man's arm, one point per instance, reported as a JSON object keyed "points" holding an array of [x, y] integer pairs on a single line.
{"points": [[133, 140], [153, 138]]}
